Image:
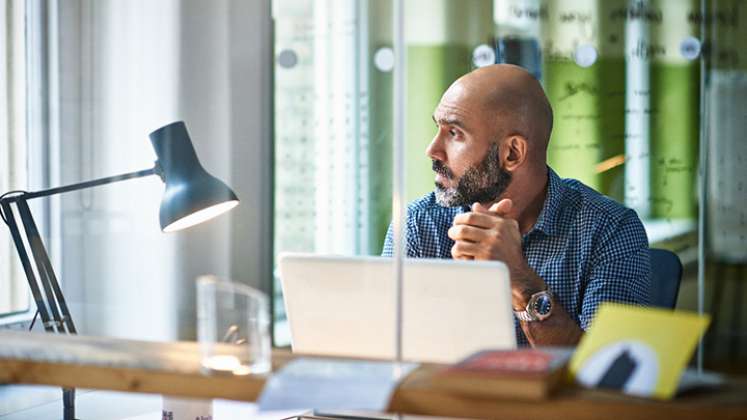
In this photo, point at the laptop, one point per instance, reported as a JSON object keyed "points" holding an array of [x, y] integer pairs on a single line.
{"points": [[345, 306]]}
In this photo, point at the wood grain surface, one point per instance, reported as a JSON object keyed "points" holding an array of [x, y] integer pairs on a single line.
{"points": [[174, 368]]}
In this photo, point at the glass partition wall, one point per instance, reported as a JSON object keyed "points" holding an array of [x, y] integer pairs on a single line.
{"points": [[333, 73], [646, 95], [724, 196]]}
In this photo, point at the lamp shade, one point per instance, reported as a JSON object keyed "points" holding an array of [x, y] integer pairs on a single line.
{"points": [[192, 195]]}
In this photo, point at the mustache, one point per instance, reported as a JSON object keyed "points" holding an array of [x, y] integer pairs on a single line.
{"points": [[442, 169]]}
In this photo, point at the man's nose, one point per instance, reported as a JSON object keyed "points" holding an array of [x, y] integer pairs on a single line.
{"points": [[435, 149]]}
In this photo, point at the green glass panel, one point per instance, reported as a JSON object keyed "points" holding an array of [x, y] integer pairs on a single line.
{"points": [[379, 126], [430, 71], [589, 121], [380, 155], [612, 88], [574, 146], [674, 139]]}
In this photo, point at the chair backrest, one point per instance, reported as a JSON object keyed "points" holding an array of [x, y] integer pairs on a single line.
{"points": [[666, 273]]}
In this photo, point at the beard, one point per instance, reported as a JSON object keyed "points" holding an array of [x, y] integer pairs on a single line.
{"points": [[482, 183]]}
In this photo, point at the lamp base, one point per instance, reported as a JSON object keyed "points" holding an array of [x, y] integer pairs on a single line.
{"points": [[68, 404]]}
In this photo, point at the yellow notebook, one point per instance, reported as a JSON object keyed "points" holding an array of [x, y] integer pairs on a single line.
{"points": [[637, 350]]}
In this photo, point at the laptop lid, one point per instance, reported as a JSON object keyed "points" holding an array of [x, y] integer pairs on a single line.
{"points": [[345, 306]]}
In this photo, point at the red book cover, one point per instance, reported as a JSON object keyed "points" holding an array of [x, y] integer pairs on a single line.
{"points": [[522, 373], [529, 362]]}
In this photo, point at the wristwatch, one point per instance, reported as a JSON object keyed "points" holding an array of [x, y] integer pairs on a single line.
{"points": [[539, 307]]}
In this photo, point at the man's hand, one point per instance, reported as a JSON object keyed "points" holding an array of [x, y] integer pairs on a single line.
{"points": [[487, 234]]}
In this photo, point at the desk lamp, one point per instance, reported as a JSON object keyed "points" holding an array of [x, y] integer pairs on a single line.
{"points": [[192, 196]]}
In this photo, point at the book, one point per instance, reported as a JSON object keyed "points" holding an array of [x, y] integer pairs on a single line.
{"points": [[637, 350], [526, 373]]}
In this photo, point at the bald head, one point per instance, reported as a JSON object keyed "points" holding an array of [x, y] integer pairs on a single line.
{"points": [[515, 100], [493, 126]]}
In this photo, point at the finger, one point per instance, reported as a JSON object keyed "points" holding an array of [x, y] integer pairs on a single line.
{"points": [[503, 207], [479, 208], [468, 233], [482, 220], [464, 258], [465, 250]]}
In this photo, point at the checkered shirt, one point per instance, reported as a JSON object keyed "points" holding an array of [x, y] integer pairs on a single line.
{"points": [[588, 248]]}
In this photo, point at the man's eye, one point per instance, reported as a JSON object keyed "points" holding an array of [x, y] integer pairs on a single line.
{"points": [[453, 133]]}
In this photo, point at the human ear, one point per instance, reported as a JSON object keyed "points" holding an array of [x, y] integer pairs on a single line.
{"points": [[514, 152]]}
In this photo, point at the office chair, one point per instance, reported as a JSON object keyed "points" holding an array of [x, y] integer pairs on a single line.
{"points": [[666, 273]]}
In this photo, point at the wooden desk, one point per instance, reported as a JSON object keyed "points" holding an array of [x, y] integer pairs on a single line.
{"points": [[416, 396], [174, 369], [119, 365]]}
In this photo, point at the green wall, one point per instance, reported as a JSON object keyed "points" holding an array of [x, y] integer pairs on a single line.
{"points": [[380, 157], [674, 114], [430, 71], [589, 120], [674, 139]]}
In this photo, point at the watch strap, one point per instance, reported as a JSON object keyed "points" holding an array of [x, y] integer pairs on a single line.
{"points": [[524, 316]]}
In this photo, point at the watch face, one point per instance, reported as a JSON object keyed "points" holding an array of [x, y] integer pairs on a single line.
{"points": [[542, 305]]}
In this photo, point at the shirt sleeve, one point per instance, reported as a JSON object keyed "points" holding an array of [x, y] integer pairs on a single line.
{"points": [[388, 249], [411, 237], [620, 269]]}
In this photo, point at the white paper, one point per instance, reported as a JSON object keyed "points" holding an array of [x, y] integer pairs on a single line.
{"points": [[327, 384], [691, 379]]}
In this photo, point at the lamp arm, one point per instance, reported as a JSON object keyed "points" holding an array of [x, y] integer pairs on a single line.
{"points": [[82, 185]]}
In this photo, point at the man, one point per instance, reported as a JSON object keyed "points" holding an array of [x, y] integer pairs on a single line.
{"points": [[567, 247]]}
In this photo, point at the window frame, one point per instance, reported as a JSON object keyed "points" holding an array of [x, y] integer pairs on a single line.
{"points": [[35, 24]]}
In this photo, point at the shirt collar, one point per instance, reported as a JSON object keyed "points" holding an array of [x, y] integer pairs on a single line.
{"points": [[547, 220]]}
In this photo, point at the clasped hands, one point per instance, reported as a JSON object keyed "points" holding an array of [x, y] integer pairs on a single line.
{"points": [[488, 234]]}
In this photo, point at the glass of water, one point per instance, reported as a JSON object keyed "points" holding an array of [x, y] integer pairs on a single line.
{"points": [[232, 327]]}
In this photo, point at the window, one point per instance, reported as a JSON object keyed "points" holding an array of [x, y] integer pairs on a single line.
{"points": [[25, 112], [13, 146]]}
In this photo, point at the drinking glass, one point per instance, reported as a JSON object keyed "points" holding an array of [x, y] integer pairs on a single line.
{"points": [[232, 327]]}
